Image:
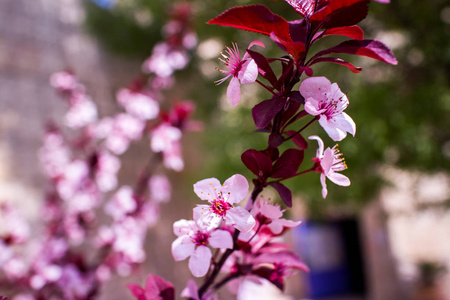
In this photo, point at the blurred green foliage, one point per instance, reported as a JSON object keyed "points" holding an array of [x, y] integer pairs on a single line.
{"points": [[402, 112]]}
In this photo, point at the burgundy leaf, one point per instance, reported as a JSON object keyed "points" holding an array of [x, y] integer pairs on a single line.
{"points": [[256, 18], [265, 111], [296, 49], [288, 69], [288, 163], [263, 66], [338, 61], [354, 32], [371, 48], [270, 275], [298, 30], [275, 139], [257, 162], [298, 139], [340, 13], [291, 110], [303, 7], [272, 153], [284, 192]]}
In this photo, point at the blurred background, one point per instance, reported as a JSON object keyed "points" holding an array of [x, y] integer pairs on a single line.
{"points": [[386, 237]]}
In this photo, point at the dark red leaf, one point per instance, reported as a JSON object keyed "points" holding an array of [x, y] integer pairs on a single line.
{"points": [[272, 153], [256, 18], [287, 69], [337, 61], [303, 7], [288, 163], [340, 13], [284, 192], [296, 49], [371, 48], [265, 111], [298, 139], [291, 110], [354, 32], [263, 66], [257, 162], [298, 30], [275, 139]]}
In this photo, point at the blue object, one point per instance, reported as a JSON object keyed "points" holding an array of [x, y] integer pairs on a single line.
{"points": [[107, 4]]}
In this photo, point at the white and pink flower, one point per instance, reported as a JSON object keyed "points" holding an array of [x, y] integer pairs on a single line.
{"points": [[327, 101], [193, 242], [329, 162], [221, 199], [241, 71]]}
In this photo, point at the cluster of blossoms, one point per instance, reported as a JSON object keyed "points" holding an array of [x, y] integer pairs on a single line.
{"points": [[244, 237], [93, 227]]}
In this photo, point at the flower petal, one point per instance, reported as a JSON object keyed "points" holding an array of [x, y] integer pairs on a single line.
{"points": [[315, 87], [205, 218], [200, 261], [324, 185], [240, 219], [346, 123], [248, 72], [312, 106], [207, 189], [327, 161], [335, 133], [221, 239], [235, 188], [234, 91], [339, 179], [182, 227], [319, 152], [182, 247]]}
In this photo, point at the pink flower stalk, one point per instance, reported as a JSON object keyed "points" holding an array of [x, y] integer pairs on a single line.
{"points": [[329, 162], [192, 242], [221, 199], [327, 101], [241, 71]]}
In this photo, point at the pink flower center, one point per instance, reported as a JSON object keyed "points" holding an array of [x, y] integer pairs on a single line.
{"points": [[201, 238], [333, 106], [220, 207]]}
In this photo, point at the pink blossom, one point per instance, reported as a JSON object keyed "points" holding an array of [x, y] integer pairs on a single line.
{"points": [[138, 104], [167, 139], [192, 242], [82, 111], [165, 60], [159, 188], [272, 214], [327, 101], [221, 199], [156, 288], [129, 239], [241, 71], [106, 171], [118, 132], [191, 292], [329, 162], [64, 81], [121, 203]]}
